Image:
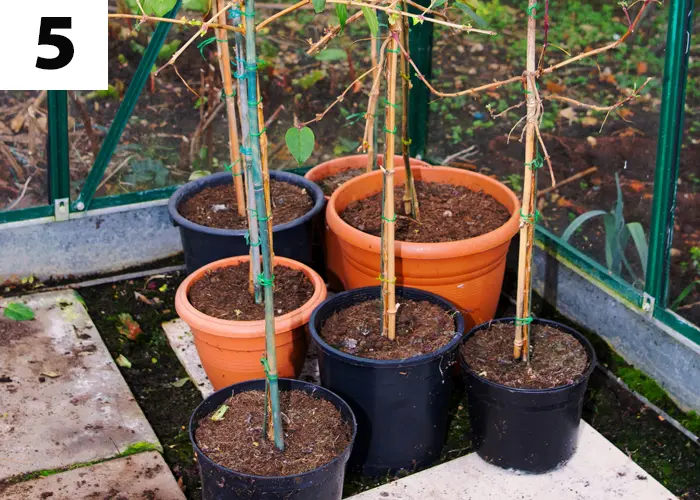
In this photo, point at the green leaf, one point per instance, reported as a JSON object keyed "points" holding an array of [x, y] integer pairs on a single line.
{"points": [[319, 6], [198, 174], [180, 382], [123, 362], [332, 54], [473, 15], [219, 413], [342, 11], [198, 5], [578, 221], [372, 21], [158, 7], [686, 291], [640, 241], [300, 143], [17, 311]]}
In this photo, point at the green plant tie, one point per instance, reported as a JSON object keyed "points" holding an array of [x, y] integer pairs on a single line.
{"points": [[407, 142], [530, 218], [389, 103], [389, 220], [224, 95], [532, 8], [390, 131], [239, 76], [266, 367], [251, 66], [254, 213], [254, 103], [384, 280], [245, 14], [264, 281], [247, 240], [406, 77], [258, 134], [234, 13], [247, 151], [209, 41], [229, 167], [523, 321], [538, 162], [393, 51]]}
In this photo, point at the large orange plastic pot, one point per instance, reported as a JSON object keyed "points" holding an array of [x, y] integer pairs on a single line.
{"points": [[468, 272], [331, 254], [231, 350]]}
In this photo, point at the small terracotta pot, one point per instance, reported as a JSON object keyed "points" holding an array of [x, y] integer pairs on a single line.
{"points": [[331, 244], [231, 350], [468, 272]]}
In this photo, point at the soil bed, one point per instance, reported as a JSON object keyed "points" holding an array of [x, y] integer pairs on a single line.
{"points": [[421, 328], [557, 357], [314, 434], [223, 293], [216, 206], [447, 213], [329, 184]]}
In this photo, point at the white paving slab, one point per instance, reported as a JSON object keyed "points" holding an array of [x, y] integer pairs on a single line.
{"points": [[182, 342], [62, 398], [598, 471], [138, 477]]}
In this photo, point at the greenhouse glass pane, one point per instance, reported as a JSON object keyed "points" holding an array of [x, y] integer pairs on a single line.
{"points": [[23, 155], [581, 141]]}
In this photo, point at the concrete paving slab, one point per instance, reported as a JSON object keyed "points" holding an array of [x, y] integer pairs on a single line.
{"points": [[62, 398], [597, 471], [138, 477], [182, 342]]}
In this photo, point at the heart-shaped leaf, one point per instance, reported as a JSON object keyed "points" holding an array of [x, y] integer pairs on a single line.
{"points": [[372, 21], [342, 11], [158, 7], [18, 312], [300, 143], [319, 5]]}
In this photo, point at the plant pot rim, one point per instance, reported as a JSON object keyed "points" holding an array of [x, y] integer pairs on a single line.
{"points": [[193, 187], [592, 359], [316, 388], [444, 250], [390, 363], [247, 329], [314, 176]]}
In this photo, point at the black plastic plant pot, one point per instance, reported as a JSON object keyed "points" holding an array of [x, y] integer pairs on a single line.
{"points": [[401, 406], [532, 430], [221, 483], [203, 245]]}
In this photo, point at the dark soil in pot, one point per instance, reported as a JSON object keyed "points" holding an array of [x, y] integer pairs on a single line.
{"points": [[526, 417], [557, 358], [216, 206], [421, 328], [224, 293], [447, 213], [329, 184], [315, 433]]}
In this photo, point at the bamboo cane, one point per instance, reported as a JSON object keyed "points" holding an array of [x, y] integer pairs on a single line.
{"points": [[265, 168], [372, 124], [410, 197], [253, 226], [273, 422], [225, 68], [388, 212], [521, 345]]}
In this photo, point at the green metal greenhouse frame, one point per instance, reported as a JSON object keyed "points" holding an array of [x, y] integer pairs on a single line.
{"points": [[652, 301]]}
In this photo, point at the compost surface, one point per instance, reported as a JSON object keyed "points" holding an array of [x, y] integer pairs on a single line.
{"points": [[447, 213], [223, 293], [314, 434], [557, 358], [332, 182], [421, 328], [216, 206]]}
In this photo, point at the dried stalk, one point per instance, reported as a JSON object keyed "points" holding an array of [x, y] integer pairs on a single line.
{"points": [[225, 68], [410, 197], [369, 141], [388, 212], [521, 345]]}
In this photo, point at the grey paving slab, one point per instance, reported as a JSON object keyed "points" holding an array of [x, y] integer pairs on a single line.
{"points": [[138, 477], [181, 341], [598, 471], [62, 399]]}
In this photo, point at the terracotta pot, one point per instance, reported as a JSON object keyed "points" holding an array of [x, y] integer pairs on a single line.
{"points": [[468, 272], [331, 244], [231, 350]]}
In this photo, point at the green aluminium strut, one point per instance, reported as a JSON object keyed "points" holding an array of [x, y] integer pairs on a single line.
{"points": [[253, 229], [266, 278]]}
